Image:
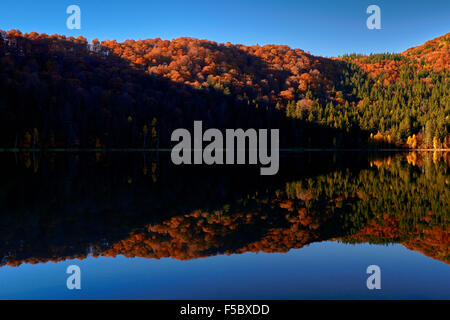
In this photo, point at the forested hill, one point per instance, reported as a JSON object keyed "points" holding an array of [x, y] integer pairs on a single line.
{"points": [[58, 91]]}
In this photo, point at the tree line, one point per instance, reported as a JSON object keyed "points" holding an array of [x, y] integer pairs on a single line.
{"points": [[65, 92]]}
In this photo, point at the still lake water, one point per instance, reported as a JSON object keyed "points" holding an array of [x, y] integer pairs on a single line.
{"points": [[140, 228]]}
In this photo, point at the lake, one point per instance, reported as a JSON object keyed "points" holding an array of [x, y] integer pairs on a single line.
{"points": [[139, 227]]}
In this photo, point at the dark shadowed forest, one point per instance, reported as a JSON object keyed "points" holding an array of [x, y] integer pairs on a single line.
{"points": [[62, 92]]}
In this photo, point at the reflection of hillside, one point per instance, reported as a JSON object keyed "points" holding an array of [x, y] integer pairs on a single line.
{"points": [[201, 234], [297, 222], [430, 241], [197, 215]]}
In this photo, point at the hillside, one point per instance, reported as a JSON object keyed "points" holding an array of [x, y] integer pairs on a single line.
{"points": [[57, 91], [434, 53]]}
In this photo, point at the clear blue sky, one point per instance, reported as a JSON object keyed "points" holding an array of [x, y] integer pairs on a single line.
{"points": [[323, 27]]}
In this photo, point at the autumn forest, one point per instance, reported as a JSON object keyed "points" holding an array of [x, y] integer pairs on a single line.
{"points": [[65, 92]]}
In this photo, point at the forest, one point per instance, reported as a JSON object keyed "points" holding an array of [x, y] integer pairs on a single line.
{"points": [[65, 92]]}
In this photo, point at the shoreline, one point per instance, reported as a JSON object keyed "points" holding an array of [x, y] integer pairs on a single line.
{"points": [[75, 150]]}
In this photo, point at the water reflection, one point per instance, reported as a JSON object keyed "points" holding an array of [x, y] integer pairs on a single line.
{"points": [[58, 206]]}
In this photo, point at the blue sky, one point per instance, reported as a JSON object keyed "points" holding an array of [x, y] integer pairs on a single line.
{"points": [[323, 27]]}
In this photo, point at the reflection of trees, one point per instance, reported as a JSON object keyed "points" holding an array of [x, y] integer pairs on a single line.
{"points": [[74, 206]]}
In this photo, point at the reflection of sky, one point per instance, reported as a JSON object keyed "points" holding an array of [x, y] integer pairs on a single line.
{"points": [[320, 271]]}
